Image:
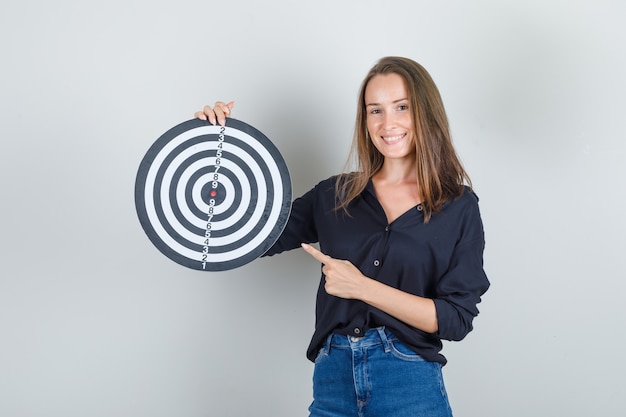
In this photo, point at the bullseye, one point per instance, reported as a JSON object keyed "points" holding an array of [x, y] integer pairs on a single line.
{"points": [[208, 193], [211, 197]]}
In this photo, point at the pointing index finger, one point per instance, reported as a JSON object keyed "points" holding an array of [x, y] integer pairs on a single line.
{"points": [[316, 254]]}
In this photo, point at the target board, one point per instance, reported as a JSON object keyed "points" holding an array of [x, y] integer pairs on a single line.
{"points": [[211, 197]]}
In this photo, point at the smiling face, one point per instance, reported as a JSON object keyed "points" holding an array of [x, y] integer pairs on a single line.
{"points": [[389, 117]]}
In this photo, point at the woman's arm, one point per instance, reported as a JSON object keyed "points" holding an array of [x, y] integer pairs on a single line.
{"points": [[344, 280]]}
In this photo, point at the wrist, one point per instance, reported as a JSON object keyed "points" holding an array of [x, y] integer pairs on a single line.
{"points": [[367, 289]]}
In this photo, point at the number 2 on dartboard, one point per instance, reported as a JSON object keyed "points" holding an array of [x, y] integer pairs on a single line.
{"points": [[214, 185]]}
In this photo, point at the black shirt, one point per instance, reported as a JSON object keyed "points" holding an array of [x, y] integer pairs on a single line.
{"points": [[441, 260]]}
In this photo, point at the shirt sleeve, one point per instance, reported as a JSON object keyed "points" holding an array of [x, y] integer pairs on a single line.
{"points": [[460, 289], [300, 227]]}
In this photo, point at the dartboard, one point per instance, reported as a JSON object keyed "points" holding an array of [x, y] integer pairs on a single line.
{"points": [[211, 197]]}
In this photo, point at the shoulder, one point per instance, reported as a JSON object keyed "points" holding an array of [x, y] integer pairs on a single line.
{"points": [[464, 206], [322, 191], [464, 213], [330, 191], [327, 185], [335, 182], [467, 198]]}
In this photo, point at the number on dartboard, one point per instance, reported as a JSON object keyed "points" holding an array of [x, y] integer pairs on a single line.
{"points": [[214, 185]]}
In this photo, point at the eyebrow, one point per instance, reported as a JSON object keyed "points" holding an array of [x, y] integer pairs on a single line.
{"points": [[394, 102]]}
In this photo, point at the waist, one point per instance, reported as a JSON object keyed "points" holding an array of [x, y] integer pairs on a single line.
{"points": [[373, 337]]}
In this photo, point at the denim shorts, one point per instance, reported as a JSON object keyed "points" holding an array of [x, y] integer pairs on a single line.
{"points": [[376, 376]]}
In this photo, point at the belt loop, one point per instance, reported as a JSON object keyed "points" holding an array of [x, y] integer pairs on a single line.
{"points": [[383, 338], [328, 343]]}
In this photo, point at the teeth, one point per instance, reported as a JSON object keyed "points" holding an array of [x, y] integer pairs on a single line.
{"points": [[392, 138]]}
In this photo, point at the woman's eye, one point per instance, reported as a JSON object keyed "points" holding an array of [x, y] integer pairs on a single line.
{"points": [[403, 107], [375, 111]]}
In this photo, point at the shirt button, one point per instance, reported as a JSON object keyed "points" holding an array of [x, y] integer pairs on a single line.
{"points": [[419, 207], [376, 262], [387, 229], [357, 330]]}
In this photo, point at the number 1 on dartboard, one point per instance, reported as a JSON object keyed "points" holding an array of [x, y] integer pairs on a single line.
{"points": [[213, 193]]}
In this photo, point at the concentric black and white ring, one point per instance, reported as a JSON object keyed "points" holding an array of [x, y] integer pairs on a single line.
{"points": [[251, 202]]}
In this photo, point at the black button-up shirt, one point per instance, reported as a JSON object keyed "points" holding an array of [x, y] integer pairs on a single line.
{"points": [[441, 260]]}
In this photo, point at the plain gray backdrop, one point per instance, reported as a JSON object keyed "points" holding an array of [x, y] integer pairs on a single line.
{"points": [[94, 321]]}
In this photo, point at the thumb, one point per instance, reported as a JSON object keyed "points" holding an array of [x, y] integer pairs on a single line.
{"points": [[229, 107]]}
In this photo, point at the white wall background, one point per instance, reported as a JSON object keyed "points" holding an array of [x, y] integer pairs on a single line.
{"points": [[94, 321]]}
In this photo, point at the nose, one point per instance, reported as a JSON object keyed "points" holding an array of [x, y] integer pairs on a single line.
{"points": [[389, 120]]}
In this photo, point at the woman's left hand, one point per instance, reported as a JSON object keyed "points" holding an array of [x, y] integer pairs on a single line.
{"points": [[343, 279]]}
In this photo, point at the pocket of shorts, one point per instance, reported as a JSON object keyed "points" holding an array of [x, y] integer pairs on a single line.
{"points": [[402, 351]]}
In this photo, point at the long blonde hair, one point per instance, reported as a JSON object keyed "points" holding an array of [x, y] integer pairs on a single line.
{"points": [[440, 174]]}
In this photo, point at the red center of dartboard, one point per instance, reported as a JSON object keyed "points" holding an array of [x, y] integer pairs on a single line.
{"points": [[213, 193]]}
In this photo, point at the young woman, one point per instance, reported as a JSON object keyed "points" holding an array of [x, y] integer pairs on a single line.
{"points": [[401, 244]]}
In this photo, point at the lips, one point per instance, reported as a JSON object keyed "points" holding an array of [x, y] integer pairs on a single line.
{"points": [[390, 140]]}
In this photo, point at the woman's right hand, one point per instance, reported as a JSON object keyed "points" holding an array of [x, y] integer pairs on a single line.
{"points": [[216, 114]]}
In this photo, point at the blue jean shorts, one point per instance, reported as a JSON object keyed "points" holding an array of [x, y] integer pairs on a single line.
{"points": [[376, 376]]}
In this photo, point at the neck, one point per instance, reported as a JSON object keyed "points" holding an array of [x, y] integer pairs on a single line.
{"points": [[397, 171]]}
